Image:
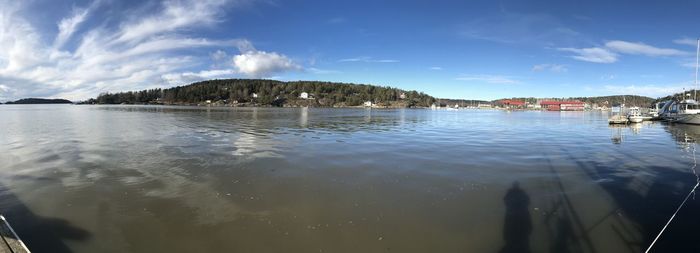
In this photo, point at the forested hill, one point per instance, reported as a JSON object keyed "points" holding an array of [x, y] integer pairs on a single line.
{"points": [[678, 96], [270, 92], [40, 101], [630, 100]]}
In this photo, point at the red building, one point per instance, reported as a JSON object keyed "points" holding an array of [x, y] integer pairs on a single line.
{"points": [[510, 103], [563, 105]]}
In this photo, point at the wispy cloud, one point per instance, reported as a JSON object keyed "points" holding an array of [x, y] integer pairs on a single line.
{"points": [[152, 49], [322, 71], [592, 54], [550, 67], [686, 41], [650, 90], [67, 26], [490, 79], [512, 27], [190, 77], [638, 48], [435, 68], [611, 51], [368, 60]]}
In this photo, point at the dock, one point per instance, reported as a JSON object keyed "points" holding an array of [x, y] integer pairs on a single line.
{"points": [[10, 241]]}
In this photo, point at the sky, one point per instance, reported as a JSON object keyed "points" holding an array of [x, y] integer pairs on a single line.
{"points": [[448, 49]]}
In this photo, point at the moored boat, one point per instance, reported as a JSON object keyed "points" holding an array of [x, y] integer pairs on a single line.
{"points": [[688, 110], [635, 115], [618, 116], [618, 119]]}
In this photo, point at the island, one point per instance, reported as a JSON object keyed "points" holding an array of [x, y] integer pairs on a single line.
{"points": [[263, 92], [26, 101]]}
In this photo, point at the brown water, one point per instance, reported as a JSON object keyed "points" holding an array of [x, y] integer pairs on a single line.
{"points": [[184, 179]]}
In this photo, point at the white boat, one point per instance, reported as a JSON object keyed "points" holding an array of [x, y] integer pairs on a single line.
{"points": [[635, 115], [688, 111]]}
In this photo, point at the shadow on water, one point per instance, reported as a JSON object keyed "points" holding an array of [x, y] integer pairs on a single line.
{"points": [[518, 223], [650, 203], [40, 234], [648, 198]]}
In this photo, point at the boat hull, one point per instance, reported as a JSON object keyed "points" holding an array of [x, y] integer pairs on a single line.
{"points": [[636, 119], [688, 119], [618, 119]]}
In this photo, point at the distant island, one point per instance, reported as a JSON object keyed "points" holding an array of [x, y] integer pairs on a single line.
{"points": [[26, 101], [262, 92]]}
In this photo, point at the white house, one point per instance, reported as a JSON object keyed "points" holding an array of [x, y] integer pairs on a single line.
{"points": [[255, 95], [304, 95], [368, 103], [402, 96]]}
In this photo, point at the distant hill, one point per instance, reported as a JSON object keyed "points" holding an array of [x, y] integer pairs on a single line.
{"points": [[270, 93], [629, 100], [40, 101], [678, 96], [460, 102]]}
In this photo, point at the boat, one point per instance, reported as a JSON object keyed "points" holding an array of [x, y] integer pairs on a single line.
{"points": [[10, 242], [688, 110], [635, 115], [619, 117], [667, 110], [656, 109]]}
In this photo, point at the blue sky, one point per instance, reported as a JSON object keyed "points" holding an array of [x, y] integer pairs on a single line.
{"points": [[454, 49]]}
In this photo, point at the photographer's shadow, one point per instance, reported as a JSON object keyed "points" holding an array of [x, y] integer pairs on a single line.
{"points": [[518, 224]]}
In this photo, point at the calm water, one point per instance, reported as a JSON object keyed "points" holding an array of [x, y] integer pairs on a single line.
{"points": [[179, 179]]}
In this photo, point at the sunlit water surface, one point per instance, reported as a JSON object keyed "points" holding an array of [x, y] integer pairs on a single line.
{"points": [[187, 179]]}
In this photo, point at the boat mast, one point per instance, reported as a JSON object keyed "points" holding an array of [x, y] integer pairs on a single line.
{"points": [[697, 61]]}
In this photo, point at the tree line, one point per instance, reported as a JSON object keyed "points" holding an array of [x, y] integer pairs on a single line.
{"points": [[268, 92], [628, 100]]}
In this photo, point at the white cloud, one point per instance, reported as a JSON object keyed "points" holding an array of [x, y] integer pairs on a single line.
{"points": [[175, 15], [368, 60], [686, 41], [67, 26], [435, 68], [219, 55], [689, 64], [550, 67], [322, 71], [262, 64], [519, 28], [491, 79], [190, 77], [639, 48], [592, 54], [147, 51], [610, 52], [4, 88]]}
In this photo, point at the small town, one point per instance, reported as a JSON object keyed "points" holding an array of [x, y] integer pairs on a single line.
{"points": [[540, 104]]}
